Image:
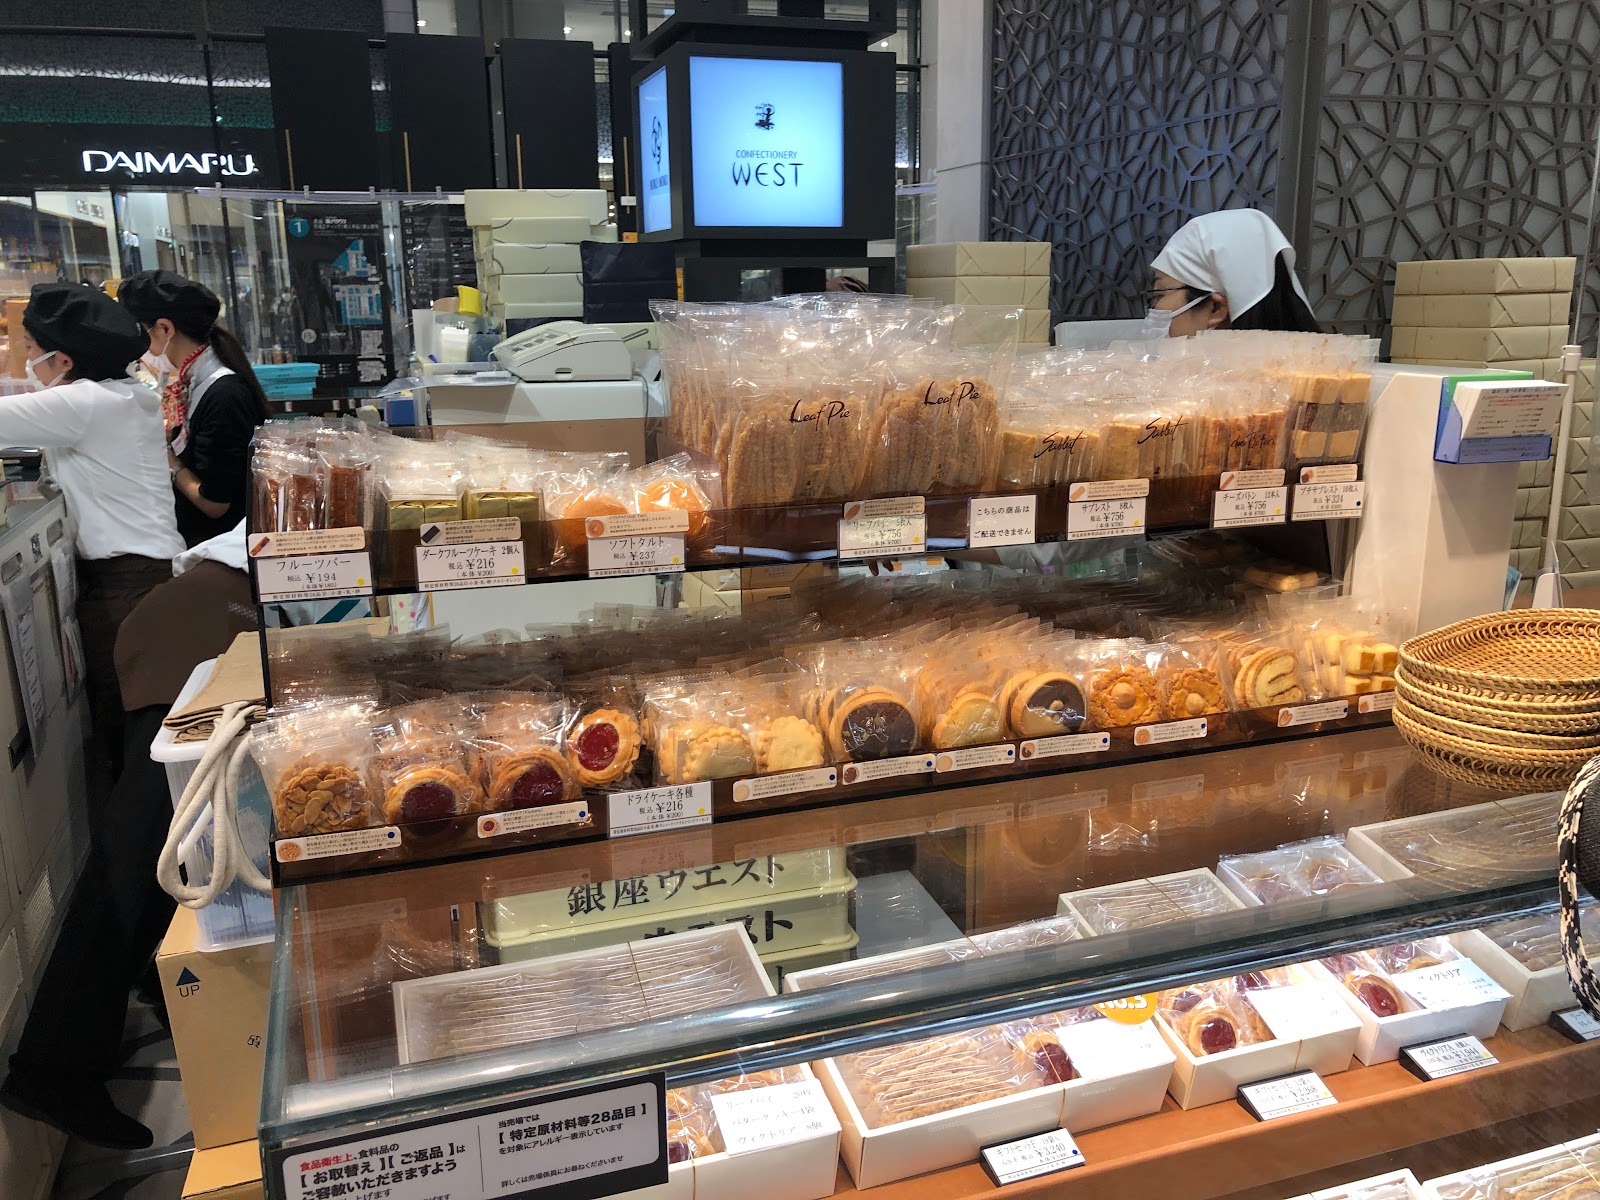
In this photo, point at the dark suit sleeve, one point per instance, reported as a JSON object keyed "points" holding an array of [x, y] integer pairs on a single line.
{"points": [[219, 441]]}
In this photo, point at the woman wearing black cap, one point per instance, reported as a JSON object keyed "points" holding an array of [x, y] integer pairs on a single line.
{"points": [[102, 436], [211, 401]]}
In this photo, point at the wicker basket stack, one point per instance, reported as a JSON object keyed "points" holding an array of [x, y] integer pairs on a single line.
{"points": [[1508, 700]]}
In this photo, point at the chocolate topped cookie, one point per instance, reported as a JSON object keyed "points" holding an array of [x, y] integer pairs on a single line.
{"points": [[874, 723], [1045, 704]]}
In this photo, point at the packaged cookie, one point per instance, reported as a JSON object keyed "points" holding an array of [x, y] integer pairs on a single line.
{"points": [[516, 750], [580, 486], [938, 1074], [1375, 977], [314, 762], [421, 770], [957, 693], [1122, 690], [604, 739], [678, 484], [1212, 1018], [1043, 693], [695, 727], [784, 739], [1189, 679], [862, 700]]}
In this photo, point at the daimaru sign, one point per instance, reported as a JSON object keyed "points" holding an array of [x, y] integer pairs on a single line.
{"points": [[149, 162]]}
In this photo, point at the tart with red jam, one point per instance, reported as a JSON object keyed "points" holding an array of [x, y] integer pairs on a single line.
{"points": [[429, 792], [530, 779], [1211, 1028], [1376, 992], [603, 746]]}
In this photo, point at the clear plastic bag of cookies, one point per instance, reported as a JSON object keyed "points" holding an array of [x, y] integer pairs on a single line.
{"points": [[421, 769], [605, 737], [1122, 689], [580, 486], [862, 699], [1266, 667], [937, 1075], [679, 483], [415, 483], [1043, 691], [517, 749], [697, 728], [783, 737], [314, 762], [1213, 1018], [957, 694], [1191, 679]]}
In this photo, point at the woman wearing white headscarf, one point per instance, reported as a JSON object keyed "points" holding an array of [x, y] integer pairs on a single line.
{"points": [[1228, 270]]}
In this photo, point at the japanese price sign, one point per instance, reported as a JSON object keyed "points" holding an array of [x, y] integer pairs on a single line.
{"points": [[1232, 481], [1289, 1094], [1327, 501], [1249, 506], [314, 577], [643, 554], [1453, 984], [1001, 521], [1090, 519], [461, 533], [650, 810], [579, 1144], [1446, 1057], [302, 542], [479, 564], [883, 528], [1030, 1157], [1310, 714], [1576, 1024], [773, 1116], [1375, 702]]}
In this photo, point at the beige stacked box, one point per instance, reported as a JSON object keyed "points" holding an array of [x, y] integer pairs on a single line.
{"points": [[526, 244], [1509, 314], [993, 274]]}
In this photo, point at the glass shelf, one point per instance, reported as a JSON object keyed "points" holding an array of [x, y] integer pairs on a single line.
{"points": [[916, 870]]}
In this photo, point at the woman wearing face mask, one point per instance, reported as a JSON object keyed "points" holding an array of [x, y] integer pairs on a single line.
{"points": [[1228, 270], [102, 436], [211, 401]]}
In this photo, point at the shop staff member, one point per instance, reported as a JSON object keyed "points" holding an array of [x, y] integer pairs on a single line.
{"points": [[103, 438], [1228, 270], [71, 1044], [212, 400]]}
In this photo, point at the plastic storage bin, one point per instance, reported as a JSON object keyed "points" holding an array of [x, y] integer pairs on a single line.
{"points": [[240, 916]]}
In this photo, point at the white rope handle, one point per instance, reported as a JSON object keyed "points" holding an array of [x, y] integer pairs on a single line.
{"points": [[213, 796]]}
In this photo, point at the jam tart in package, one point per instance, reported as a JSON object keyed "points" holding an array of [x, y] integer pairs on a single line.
{"points": [[603, 742], [1215, 1017], [421, 770], [517, 750], [1372, 976], [1037, 1038], [314, 762]]}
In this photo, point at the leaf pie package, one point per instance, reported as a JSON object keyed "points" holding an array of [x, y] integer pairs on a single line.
{"points": [[420, 770], [517, 750], [314, 761], [938, 1074]]}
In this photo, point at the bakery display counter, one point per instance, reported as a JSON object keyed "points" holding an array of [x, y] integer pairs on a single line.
{"points": [[864, 996]]}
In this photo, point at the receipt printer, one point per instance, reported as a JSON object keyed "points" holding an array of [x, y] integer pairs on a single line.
{"points": [[565, 352]]}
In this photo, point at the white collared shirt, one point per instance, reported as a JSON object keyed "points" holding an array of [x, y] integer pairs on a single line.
{"points": [[107, 448]]}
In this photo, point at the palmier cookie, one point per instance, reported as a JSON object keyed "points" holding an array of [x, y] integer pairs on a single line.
{"points": [[1194, 692], [1268, 678], [716, 752], [788, 744], [875, 722], [429, 792], [530, 778], [1044, 704], [1124, 696], [322, 798], [972, 719], [603, 746]]}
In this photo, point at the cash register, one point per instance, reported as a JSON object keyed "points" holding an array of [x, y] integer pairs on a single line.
{"points": [[566, 352]]}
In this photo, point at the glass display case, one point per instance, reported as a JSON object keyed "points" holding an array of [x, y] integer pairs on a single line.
{"points": [[856, 996]]}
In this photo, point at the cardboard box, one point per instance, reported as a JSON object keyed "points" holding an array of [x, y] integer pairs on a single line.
{"points": [[1477, 276], [548, 259], [535, 289], [565, 310], [533, 231], [1478, 345], [944, 259], [490, 206], [1482, 312], [218, 1006], [1036, 327], [231, 1172], [990, 291], [1539, 368]]}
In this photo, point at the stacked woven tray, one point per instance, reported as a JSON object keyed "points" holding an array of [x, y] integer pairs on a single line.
{"points": [[1508, 700]]}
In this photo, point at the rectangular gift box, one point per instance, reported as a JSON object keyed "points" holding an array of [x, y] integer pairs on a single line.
{"points": [[490, 206], [1431, 345], [1476, 276], [946, 259], [990, 291], [1486, 311], [547, 259]]}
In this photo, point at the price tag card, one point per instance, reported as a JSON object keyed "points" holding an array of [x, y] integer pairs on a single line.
{"points": [[634, 524], [1328, 501], [974, 756], [773, 1116], [1001, 521], [1171, 731], [1375, 702], [327, 845], [1232, 481], [1109, 489], [445, 567], [302, 542], [1249, 506], [764, 787], [523, 819], [1090, 519], [883, 528], [1337, 473], [1310, 714], [1066, 743], [462, 533], [644, 554], [651, 810], [1446, 1057], [580, 1144], [1031, 1157], [1453, 984], [885, 768], [1576, 1024], [315, 577], [1286, 1095]]}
